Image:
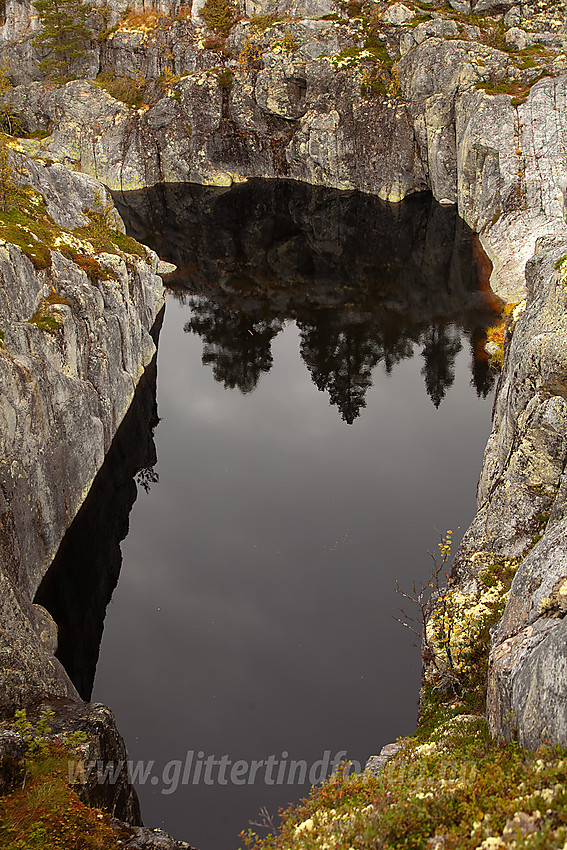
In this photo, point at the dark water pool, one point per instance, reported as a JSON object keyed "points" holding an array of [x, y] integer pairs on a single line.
{"points": [[322, 415]]}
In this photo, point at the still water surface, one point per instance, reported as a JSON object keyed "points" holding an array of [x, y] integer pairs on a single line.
{"points": [[322, 415]]}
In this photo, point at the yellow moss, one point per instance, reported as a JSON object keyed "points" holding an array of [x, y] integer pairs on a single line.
{"points": [[561, 266], [496, 335], [555, 605], [144, 22]]}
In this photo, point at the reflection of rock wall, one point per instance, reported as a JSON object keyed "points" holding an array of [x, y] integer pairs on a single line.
{"points": [[284, 244], [79, 584]]}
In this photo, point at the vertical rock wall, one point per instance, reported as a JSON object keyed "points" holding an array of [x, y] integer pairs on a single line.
{"points": [[65, 390]]}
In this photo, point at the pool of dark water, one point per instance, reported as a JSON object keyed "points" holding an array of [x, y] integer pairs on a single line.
{"points": [[323, 407]]}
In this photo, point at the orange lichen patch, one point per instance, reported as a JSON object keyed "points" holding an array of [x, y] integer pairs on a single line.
{"points": [[496, 335], [495, 340], [483, 265]]}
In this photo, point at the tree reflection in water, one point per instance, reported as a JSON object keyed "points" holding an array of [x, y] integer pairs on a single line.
{"points": [[367, 282], [235, 345], [339, 353]]}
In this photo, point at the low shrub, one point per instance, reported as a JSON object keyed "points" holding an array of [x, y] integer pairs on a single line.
{"points": [[225, 79], [40, 809], [263, 22]]}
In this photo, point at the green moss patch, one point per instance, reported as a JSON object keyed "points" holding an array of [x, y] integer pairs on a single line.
{"points": [[378, 49], [263, 22], [225, 76], [29, 226], [25, 238], [420, 19], [111, 241], [44, 317], [518, 91]]}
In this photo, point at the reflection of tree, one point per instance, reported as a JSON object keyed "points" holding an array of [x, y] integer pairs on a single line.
{"points": [[483, 375], [146, 476], [397, 345], [441, 344], [363, 279], [236, 344], [341, 355], [339, 346], [340, 360]]}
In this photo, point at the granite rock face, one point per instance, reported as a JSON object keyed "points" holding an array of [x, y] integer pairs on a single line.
{"points": [[79, 584], [276, 123], [66, 386], [526, 457], [522, 514]]}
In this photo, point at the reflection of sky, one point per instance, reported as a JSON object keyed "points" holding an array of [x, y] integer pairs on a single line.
{"points": [[254, 612]]}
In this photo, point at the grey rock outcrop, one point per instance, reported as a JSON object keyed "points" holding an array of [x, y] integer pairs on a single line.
{"points": [[522, 514], [66, 386], [143, 838], [376, 764], [274, 123], [74, 384], [102, 744], [525, 460]]}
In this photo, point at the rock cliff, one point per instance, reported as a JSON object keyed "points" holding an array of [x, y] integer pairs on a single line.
{"points": [[521, 515], [76, 338], [74, 348]]}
